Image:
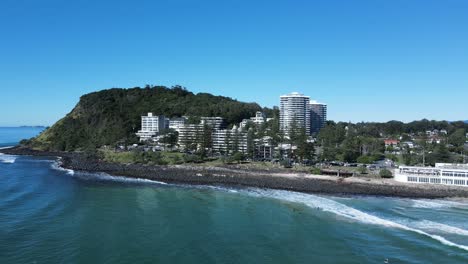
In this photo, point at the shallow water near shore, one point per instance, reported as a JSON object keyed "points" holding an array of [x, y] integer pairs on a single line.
{"points": [[53, 215]]}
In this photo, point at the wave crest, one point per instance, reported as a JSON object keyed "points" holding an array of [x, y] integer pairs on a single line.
{"points": [[7, 158], [339, 209]]}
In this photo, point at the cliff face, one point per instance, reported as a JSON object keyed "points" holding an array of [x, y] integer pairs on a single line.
{"points": [[109, 116]]}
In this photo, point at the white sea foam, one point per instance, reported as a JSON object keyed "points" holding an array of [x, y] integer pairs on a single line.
{"points": [[101, 176], [7, 158], [56, 166], [434, 226], [7, 147], [435, 204], [342, 210]]}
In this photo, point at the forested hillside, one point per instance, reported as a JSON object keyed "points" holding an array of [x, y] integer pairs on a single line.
{"points": [[109, 116]]}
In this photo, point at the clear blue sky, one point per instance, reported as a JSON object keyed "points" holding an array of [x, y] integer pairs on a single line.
{"points": [[374, 60]]}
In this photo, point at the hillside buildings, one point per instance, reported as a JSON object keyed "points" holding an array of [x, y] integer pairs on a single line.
{"points": [[189, 135], [227, 141], [151, 125], [442, 173], [213, 122], [176, 122], [213, 135], [297, 108], [259, 119]]}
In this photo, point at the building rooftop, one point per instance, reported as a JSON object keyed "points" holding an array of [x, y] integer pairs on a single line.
{"points": [[295, 94], [313, 102]]}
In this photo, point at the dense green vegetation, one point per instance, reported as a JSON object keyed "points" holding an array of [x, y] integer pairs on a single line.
{"points": [[363, 142], [109, 116]]}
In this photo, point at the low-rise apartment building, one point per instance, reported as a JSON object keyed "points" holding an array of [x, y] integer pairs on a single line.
{"points": [[442, 173]]}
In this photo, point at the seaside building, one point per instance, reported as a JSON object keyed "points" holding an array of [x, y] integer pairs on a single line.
{"points": [[442, 173], [318, 116], [227, 141], [213, 122], [258, 119], [391, 142], [176, 122], [151, 125], [189, 135], [294, 108], [263, 148]]}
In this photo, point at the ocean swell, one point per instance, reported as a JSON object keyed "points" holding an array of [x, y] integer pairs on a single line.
{"points": [[342, 210]]}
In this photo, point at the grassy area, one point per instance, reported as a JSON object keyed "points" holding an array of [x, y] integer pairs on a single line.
{"points": [[172, 158], [154, 158]]}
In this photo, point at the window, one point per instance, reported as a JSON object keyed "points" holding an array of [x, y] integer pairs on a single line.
{"points": [[412, 179], [434, 180], [459, 182]]}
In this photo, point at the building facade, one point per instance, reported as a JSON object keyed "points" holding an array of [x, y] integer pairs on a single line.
{"points": [[226, 141], [258, 119], [213, 122], [318, 116], [189, 136], [442, 173], [151, 125], [294, 108], [176, 122]]}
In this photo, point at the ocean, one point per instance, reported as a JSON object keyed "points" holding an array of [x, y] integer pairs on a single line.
{"points": [[52, 215]]}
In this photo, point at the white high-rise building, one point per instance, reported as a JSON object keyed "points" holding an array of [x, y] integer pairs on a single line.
{"points": [[318, 116], [294, 107], [150, 126]]}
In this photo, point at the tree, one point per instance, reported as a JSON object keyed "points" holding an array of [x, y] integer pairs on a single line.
{"points": [[305, 149], [440, 155], [238, 156], [251, 143], [384, 173], [293, 131], [458, 138], [169, 137], [227, 141], [206, 140]]}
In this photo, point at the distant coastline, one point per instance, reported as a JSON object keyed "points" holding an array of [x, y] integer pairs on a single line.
{"points": [[232, 176], [23, 126]]}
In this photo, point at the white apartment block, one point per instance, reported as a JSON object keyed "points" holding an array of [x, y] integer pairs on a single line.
{"points": [[189, 134], [294, 107], [213, 122], [258, 119], [229, 140], [150, 126], [177, 122]]}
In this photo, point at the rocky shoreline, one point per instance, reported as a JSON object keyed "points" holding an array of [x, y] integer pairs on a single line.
{"points": [[201, 175]]}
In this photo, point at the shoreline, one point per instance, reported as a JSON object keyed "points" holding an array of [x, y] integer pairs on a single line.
{"points": [[280, 180]]}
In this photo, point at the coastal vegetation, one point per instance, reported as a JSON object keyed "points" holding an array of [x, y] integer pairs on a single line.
{"points": [[113, 116], [364, 142]]}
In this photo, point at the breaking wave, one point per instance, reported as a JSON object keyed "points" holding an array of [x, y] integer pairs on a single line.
{"points": [[101, 176], [431, 204], [429, 225], [56, 166], [342, 210], [7, 158], [6, 147]]}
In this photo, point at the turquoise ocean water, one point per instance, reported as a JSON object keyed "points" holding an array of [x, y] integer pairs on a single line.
{"points": [[51, 215]]}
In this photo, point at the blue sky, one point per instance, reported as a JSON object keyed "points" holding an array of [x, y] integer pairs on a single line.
{"points": [[374, 60]]}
